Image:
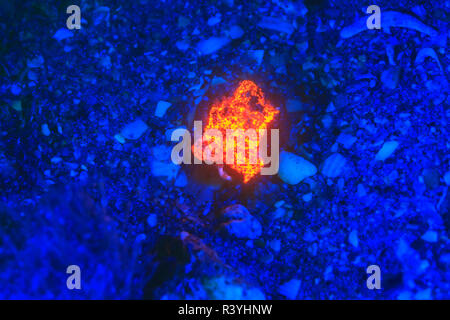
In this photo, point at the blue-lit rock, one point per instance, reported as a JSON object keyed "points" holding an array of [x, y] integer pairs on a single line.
{"points": [[353, 238], [430, 236], [236, 32], [161, 108], [293, 169], [134, 130], [290, 289], [78, 186], [45, 130], [212, 44], [386, 150], [240, 223], [333, 166]]}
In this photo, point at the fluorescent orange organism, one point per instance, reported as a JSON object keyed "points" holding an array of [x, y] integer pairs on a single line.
{"points": [[246, 109]]}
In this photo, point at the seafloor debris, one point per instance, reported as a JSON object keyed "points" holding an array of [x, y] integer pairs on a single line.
{"points": [[161, 108], [293, 169], [62, 34], [390, 19], [276, 24], [371, 114], [390, 77], [334, 165], [427, 52], [386, 150], [290, 289], [134, 130], [212, 44]]}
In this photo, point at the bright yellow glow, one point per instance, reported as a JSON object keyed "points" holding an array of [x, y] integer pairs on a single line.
{"points": [[246, 109]]}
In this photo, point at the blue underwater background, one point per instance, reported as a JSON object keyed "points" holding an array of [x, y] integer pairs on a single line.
{"points": [[86, 177]]}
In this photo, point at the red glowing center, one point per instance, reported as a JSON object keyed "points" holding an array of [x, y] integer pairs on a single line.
{"points": [[246, 109]]}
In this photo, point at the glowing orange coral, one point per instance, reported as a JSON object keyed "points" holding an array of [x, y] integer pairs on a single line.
{"points": [[246, 109]]}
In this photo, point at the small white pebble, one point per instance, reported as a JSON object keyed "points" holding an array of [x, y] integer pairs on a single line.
{"points": [[152, 220]]}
